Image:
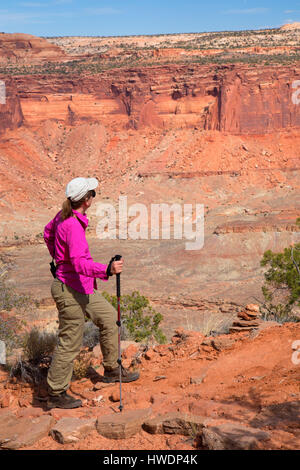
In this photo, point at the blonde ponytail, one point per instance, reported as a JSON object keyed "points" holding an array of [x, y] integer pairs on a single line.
{"points": [[66, 211], [68, 205]]}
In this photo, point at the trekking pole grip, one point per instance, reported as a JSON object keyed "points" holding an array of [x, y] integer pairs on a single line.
{"points": [[117, 258], [118, 286]]}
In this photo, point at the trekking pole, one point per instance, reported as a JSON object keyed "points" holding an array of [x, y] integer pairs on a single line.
{"points": [[117, 258]]}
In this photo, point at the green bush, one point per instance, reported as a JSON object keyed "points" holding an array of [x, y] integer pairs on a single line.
{"points": [[281, 290], [139, 320]]}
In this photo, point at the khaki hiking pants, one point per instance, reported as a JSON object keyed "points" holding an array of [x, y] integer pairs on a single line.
{"points": [[72, 307]]}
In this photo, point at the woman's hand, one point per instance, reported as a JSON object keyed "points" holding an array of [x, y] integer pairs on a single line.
{"points": [[116, 267]]}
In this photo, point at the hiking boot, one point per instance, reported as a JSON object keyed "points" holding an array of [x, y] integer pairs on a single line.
{"points": [[63, 401], [111, 376]]}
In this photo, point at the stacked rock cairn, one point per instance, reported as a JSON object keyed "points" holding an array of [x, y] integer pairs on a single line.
{"points": [[248, 319]]}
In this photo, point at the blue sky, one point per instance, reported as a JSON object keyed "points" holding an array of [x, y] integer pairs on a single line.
{"points": [[129, 17]]}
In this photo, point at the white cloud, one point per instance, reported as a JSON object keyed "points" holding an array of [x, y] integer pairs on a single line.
{"points": [[30, 18], [17, 17], [33, 4], [246, 11], [37, 16], [44, 4], [102, 11]]}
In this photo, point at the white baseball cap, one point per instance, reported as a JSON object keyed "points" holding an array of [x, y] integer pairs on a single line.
{"points": [[78, 187]]}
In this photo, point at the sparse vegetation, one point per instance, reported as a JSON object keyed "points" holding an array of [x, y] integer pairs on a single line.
{"points": [[282, 284], [39, 345], [140, 321], [90, 335], [136, 53], [9, 298], [11, 327], [210, 324], [10, 333], [32, 366]]}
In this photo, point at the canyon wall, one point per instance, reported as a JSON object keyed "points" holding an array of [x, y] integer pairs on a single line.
{"points": [[233, 99], [26, 48], [11, 115]]}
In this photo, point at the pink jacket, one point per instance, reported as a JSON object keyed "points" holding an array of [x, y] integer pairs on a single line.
{"points": [[75, 266]]}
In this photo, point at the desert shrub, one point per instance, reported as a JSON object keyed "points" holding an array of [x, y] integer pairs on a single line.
{"points": [[214, 325], [9, 299], [277, 312], [281, 289], [11, 328], [210, 324], [28, 372], [39, 345], [140, 321], [81, 365], [10, 333], [90, 335]]}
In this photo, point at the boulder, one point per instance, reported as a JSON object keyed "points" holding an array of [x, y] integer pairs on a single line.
{"points": [[175, 423], [122, 425], [20, 432], [30, 412], [70, 430], [6, 417], [279, 415], [231, 436], [222, 343]]}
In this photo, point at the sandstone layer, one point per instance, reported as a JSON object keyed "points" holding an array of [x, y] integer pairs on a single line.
{"points": [[233, 99], [26, 48]]}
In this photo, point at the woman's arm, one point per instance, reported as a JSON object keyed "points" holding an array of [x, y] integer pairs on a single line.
{"points": [[79, 254], [49, 237]]}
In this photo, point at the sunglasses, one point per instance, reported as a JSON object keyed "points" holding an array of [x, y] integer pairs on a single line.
{"points": [[93, 193]]}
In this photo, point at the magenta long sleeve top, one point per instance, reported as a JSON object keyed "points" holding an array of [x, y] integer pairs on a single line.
{"points": [[67, 244]]}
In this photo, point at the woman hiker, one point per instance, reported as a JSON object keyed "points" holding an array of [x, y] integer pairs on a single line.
{"points": [[75, 292]]}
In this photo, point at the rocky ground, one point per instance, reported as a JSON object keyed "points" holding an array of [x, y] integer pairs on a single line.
{"points": [[236, 391]]}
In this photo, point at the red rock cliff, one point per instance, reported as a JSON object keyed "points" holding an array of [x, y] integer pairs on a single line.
{"points": [[234, 99], [25, 48], [11, 115]]}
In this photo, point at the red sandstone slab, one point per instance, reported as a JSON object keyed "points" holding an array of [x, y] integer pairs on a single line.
{"points": [[122, 425]]}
